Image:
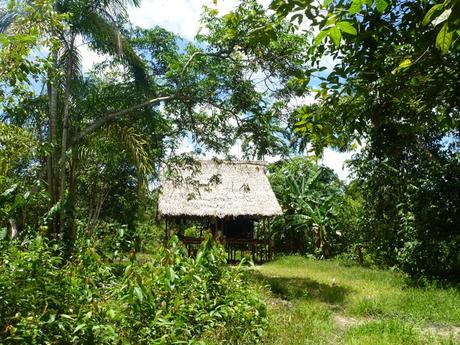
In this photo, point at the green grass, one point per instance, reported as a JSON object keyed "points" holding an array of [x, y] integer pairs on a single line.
{"points": [[324, 302]]}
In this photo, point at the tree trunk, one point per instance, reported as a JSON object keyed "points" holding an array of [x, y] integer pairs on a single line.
{"points": [[70, 209], [12, 229], [93, 217], [52, 139], [66, 229]]}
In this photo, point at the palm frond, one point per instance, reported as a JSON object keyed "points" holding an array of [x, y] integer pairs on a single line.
{"points": [[70, 54], [135, 144], [106, 38]]}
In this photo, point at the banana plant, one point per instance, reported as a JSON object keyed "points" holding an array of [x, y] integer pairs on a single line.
{"points": [[308, 194]]}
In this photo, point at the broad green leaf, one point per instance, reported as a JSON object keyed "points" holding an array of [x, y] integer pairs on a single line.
{"points": [[442, 17], [10, 190], [199, 257], [429, 14], [171, 274], [355, 6], [53, 210], [335, 35], [331, 20], [320, 37], [139, 294], [405, 63], [381, 5], [80, 326], [347, 27], [3, 233], [444, 39]]}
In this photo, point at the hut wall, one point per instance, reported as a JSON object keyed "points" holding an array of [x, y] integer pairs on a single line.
{"points": [[239, 228]]}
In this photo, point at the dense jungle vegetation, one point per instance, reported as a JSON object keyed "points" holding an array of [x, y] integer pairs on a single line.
{"points": [[82, 258]]}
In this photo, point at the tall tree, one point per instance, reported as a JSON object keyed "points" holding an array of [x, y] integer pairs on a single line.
{"points": [[393, 88], [99, 22], [207, 90]]}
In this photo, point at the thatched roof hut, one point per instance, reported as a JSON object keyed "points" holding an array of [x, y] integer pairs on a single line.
{"points": [[222, 190]]}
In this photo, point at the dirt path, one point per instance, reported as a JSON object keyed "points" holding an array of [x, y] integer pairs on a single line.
{"points": [[446, 331]]}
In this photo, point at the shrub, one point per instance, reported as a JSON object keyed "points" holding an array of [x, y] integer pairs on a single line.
{"points": [[170, 298]]}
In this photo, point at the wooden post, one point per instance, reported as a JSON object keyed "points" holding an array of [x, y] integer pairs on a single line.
{"points": [[220, 230], [266, 244], [271, 246], [166, 232]]}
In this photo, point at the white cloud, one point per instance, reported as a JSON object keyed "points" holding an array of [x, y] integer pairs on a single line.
{"points": [[336, 161], [179, 16], [88, 56]]}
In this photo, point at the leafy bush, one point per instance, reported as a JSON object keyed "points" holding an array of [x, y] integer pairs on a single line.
{"points": [[309, 195], [412, 211], [169, 298]]}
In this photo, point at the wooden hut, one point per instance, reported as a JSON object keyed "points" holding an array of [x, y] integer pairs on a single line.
{"points": [[228, 197]]}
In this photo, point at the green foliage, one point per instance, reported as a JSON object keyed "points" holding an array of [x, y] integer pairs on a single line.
{"points": [[106, 131], [350, 214], [411, 207], [391, 89], [310, 197], [21, 195], [446, 13], [168, 299], [24, 25], [16, 145], [322, 302], [334, 17]]}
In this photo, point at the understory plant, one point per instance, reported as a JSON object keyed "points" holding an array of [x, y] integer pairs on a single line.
{"points": [[166, 299]]}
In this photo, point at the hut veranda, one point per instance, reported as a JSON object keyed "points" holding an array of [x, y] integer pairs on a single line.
{"points": [[231, 199]]}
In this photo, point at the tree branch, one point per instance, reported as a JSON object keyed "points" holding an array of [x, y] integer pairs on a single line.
{"points": [[223, 55], [102, 121]]}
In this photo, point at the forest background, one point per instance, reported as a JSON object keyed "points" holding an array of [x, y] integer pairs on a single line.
{"points": [[80, 149]]}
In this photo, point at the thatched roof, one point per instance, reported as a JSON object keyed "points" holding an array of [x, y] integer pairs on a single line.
{"points": [[218, 189]]}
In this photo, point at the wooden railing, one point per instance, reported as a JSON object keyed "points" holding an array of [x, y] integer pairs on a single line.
{"points": [[236, 248]]}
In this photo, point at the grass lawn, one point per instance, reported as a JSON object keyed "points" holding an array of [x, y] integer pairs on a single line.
{"points": [[324, 302]]}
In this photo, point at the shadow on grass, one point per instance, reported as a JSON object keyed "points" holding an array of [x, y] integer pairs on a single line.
{"points": [[303, 288]]}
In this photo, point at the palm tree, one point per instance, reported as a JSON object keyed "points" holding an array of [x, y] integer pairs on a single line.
{"points": [[99, 24]]}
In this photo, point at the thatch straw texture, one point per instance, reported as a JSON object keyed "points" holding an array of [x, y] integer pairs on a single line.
{"points": [[218, 189]]}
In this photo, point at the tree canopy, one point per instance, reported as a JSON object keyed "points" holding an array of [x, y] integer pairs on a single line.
{"points": [[72, 142], [393, 89], [153, 91]]}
